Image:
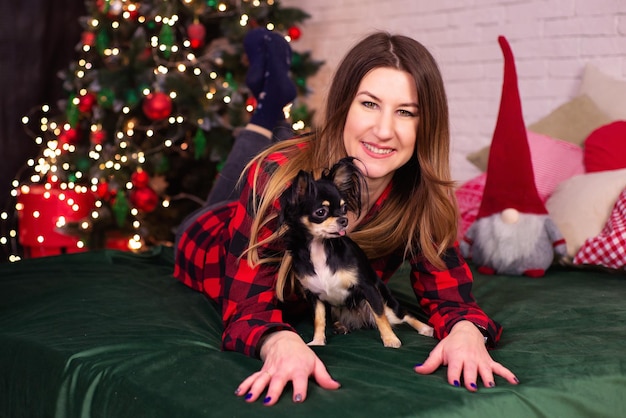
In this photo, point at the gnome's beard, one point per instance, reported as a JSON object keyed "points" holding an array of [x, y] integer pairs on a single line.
{"points": [[501, 245]]}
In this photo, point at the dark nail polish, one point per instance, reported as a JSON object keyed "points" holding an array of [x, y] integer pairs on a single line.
{"points": [[516, 380], [418, 365], [237, 391], [456, 383], [492, 384], [473, 386], [297, 398], [267, 400], [248, 396]]}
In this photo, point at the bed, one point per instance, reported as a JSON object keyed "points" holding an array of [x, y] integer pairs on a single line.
{"points": [[113, 334]]}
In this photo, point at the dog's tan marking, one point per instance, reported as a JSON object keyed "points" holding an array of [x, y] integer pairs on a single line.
{"points": [[319, 324], [422, 328], [386, 333]]}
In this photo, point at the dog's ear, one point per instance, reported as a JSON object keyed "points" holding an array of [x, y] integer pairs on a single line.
{"points": [[299, 188], [349, 180]]}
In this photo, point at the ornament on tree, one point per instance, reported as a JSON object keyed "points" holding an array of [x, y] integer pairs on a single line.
{"points": [[102, 191], [145, 199], [199, 142], [196, 32], [86, 102], [157, 106], [120, 208], [88, 38], [97, 137], [68, 136], [166, 38], [140, 179], [102, 41], [71, 112], [251, 104], [294, 33]]}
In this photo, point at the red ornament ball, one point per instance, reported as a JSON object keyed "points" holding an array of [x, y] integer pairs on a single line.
{"points": [[145, 199], [196, 33], [140, 179], [294, 33], [157, 106], [251, 104], [103, 191], [97, 137], [86, 102], [88, 38], [68, 136]]}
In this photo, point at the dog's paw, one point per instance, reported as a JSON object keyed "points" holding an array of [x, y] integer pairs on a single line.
{"points": [[339, 328], [317, 342], [426, 330], [392, 342]]}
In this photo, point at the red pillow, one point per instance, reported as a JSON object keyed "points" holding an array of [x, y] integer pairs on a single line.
{"points": [[605, 148]]}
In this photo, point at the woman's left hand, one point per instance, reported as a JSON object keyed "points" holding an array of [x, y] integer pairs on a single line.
{"points": [[467, 358]]}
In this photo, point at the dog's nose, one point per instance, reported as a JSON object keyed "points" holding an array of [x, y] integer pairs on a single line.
{"points": [[343, 222]]}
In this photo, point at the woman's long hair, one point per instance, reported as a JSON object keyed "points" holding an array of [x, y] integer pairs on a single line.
{"points": [[420, 213]]}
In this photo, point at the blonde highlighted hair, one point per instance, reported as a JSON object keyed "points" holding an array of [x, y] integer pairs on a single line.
{"points": [[420, 214]]}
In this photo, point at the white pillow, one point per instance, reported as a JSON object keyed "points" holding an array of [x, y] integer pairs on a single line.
{"points": [[581, 205], [608, 93]]}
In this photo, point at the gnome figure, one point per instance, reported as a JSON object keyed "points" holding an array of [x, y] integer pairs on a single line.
{"points": [[513, 233]]}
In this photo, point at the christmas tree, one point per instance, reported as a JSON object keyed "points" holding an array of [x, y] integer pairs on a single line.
{"points": [[152, 105]]}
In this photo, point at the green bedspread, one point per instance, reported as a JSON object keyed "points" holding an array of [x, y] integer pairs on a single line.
{"points": [[114, 334]]}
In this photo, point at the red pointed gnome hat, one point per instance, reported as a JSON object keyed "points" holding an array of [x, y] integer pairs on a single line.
{"points": [[510, 180]]}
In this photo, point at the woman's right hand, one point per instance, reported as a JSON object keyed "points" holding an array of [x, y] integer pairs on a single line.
{"points": [[285, 358]]}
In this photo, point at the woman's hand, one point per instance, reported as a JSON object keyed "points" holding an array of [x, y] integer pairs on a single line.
{"points": [[285, 358], [466, 356]]}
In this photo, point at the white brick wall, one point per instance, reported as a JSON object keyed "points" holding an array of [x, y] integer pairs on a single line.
{"points": [[552, 40]]}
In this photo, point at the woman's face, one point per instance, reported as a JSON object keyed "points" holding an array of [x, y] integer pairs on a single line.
{"points": [[381, 125]]}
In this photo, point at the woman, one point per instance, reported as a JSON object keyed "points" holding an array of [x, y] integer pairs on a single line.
{"points": [[386, 107]]}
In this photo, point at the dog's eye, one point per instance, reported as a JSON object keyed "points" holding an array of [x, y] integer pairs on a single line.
{"points": [[344, 209], [321, 212]]}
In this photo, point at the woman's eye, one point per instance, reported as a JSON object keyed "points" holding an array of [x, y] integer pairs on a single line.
{"points": [[370, 105], [406, 113]]}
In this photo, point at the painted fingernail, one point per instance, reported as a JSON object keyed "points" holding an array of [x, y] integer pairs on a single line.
{"points": [[473, 386], [456, 383], [491, 384], [297, 398], [248, 396], [418, 365], [237, 391], [516, 380], [267, 400]]}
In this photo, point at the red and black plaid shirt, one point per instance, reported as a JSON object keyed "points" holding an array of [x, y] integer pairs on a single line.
{"points": [[208, 260]]}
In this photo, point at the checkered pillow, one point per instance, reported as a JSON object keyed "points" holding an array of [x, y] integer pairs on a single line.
{"points": [[608, 249]]}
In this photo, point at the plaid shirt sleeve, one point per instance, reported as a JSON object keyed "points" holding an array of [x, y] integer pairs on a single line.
{"points": [[249, 303], [446, 295]]}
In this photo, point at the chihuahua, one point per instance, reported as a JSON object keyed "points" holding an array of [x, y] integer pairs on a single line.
{"points": [[331, 268]]}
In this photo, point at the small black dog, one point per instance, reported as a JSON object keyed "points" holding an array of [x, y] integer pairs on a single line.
{"points": [[331, 267]]}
